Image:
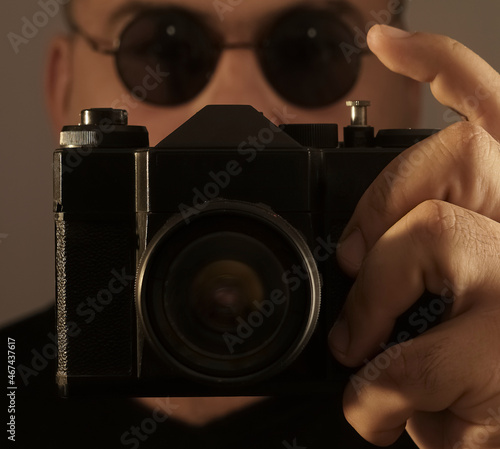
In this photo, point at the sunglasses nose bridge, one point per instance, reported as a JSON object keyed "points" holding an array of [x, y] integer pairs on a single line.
{"points": [[238, 78]]}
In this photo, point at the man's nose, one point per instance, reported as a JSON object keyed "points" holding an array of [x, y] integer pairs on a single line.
{"points": [[238, 79]]}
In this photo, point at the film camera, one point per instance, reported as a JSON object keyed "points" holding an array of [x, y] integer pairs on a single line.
{"points": [[206, 265]]}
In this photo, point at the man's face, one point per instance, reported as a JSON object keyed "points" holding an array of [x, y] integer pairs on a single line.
{"points": [[83, 78]]}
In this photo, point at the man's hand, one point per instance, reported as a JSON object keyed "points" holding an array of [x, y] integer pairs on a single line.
{"points": [[430, 220]]}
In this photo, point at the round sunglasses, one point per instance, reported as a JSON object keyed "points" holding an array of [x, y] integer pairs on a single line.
{"points": [[305, 54]]}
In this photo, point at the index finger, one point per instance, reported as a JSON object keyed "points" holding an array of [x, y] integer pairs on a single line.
{"points": [[458, 165], [458, 77]]}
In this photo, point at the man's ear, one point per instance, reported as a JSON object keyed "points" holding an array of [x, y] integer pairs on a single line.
{"points": [[58, 80]]}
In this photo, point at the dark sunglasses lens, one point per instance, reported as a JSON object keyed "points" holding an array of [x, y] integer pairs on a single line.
{"points": [[166, 57], [303, 58]]}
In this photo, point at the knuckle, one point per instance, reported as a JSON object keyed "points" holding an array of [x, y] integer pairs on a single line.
{"points": [[432, 220], [467, 141], [454, 46], [457, 240], [476, 153], [470, 154], [419, 365], [438, 222]]}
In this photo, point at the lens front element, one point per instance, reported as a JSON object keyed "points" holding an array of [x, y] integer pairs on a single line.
{"points": [[218, 298]]}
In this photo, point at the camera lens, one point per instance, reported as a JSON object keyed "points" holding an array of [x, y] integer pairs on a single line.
{"points": [[218, 298], [222, 291], [214, 295]]}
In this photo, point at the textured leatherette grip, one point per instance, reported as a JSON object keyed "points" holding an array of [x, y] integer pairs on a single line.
{"points": [[95, 305]]}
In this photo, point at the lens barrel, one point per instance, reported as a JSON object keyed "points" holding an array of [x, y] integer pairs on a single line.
{"points": [[217, 296]]}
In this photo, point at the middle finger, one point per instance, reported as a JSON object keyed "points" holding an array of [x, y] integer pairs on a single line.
{"points": [[458, 165]]}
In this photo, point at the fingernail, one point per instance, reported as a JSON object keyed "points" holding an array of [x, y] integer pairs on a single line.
{"points": [[339, 337], [353, 249], [395, 33]]}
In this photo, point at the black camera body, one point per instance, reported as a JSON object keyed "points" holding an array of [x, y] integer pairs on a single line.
{"points": [[206, 265]]}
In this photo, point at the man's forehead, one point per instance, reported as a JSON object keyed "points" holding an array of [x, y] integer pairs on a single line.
{"points": [[107, 16]]}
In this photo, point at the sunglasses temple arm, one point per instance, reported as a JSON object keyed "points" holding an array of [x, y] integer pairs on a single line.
{"points": [[96, 46]]}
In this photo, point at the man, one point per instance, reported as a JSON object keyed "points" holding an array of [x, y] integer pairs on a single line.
{"points": [[434, 227]]}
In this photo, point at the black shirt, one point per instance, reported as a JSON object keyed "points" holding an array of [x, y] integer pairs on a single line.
{"points": [[42, 419]]}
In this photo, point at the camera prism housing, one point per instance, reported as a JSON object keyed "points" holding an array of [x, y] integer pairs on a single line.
{"points": [[205, 266]]}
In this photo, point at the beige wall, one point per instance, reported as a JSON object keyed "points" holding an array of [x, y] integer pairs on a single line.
{"points": [[26, 252]]}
